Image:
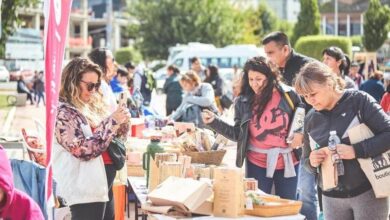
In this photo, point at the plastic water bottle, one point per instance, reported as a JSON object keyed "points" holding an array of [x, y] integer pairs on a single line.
{"points": [[333, 141]]}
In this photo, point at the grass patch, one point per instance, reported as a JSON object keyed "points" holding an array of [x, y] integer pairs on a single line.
{"points": [[4, 108], [3, 101]]}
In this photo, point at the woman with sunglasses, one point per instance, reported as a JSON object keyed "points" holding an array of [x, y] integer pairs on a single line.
{"points": [[261, 122], [339, 62], [336, 109], [83, 131]]}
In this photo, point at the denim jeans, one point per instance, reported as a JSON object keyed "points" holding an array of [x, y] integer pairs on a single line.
{"points": [[284, 187], [307, 193]]}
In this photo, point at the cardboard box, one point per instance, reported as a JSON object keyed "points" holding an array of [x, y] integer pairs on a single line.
{"points": [[135, 170], [228, 192], [185, 194]]}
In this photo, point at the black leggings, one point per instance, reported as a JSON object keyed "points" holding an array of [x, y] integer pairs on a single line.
{"points": [[97, 210], [88, 211]]}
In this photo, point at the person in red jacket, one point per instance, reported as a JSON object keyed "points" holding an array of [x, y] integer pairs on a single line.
{"points": [[385, 102], [14, 204]]}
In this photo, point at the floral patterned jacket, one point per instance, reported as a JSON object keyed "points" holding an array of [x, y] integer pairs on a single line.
{"points": [[70, 133]]}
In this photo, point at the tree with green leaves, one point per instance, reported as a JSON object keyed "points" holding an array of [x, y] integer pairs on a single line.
{"points": [[165, 23], [259, 22], [10, 20], [308, 20], [376, 25]]}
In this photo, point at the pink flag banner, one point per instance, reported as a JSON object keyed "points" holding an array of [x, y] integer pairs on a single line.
{"points": [[57, 14]]}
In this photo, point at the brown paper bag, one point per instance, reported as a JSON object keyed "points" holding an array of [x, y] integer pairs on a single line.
{"points": [[377, 169], [228, 192], [185, 194], [328, 171]]}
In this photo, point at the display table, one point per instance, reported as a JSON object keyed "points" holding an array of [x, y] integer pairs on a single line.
{"points": [[138, 185], [291, 217]]}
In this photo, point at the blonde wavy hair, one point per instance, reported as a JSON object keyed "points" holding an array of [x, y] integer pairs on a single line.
{"points": [[96, 109]]}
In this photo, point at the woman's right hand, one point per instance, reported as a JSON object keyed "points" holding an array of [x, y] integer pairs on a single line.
{"points": [[207, 116], [317, 157], [121, 115]]}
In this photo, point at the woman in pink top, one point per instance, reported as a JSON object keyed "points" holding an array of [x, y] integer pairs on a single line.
{"points": [[263, 113], [14, 204]]}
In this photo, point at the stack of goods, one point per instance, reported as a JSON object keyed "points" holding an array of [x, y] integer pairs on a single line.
{"points": [[198, 145], [180, 197], [134, 164], [165, 165], [198, 171]]}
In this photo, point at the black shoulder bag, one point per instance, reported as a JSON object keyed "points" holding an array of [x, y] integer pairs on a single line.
{"points": [[117, 152]]}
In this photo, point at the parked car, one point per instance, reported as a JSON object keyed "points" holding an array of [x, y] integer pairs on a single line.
{"points": [[27, 74], [4, 74]]}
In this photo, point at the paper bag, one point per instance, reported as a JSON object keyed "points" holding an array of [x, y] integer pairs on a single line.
{"points": [[328, 171], [377, 169], [186, 194], [228, 192]]}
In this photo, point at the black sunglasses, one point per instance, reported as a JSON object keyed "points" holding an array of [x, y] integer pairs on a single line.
{"points": [[90, 85]]}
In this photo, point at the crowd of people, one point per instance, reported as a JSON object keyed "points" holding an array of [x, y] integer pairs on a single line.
{"points": [[36, 93], [91, 122]]}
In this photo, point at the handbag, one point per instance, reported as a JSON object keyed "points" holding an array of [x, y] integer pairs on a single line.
{"points": [[225, 101], [117, 152], [377, 168]]}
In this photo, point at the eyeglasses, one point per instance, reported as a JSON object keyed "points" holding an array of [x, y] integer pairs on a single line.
{"points": [[91, 86]]}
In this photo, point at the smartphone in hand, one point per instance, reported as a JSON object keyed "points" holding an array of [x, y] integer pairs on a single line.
{"points": [[123, 99]]}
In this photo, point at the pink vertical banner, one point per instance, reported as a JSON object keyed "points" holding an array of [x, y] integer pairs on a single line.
{"points": [[57, 14]]}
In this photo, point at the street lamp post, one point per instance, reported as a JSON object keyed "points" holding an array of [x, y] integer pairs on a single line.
{"points": [[336, 18]]}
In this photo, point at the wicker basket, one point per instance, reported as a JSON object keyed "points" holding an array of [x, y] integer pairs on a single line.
{"points": [[279, 207], [206, 157]]}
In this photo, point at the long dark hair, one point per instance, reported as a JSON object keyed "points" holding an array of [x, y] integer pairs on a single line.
{"points": [[338, 54], [259, 102], [98, 56], [214, 75]]}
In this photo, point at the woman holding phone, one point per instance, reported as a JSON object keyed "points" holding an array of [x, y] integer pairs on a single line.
{"points": [[84, 130], [263, 113]]}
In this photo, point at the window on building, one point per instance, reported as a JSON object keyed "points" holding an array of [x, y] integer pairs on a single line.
{"points": [[355, 29]]}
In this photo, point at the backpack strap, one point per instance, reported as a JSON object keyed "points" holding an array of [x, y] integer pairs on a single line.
{"points": [[289, 101]]}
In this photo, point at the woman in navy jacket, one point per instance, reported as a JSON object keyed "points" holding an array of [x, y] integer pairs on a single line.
{"points": [[336, 109]]}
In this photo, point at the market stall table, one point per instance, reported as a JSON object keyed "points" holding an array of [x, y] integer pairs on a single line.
{"points": [[138, 185]]}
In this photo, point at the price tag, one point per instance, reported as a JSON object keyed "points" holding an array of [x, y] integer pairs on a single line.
{"points": [[249, 203]]}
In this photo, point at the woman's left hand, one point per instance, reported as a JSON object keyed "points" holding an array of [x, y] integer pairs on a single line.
{"points": [[346, 152], [296, 141]]}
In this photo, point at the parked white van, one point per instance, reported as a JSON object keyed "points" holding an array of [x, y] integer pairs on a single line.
{"points": [[224, 58]]}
